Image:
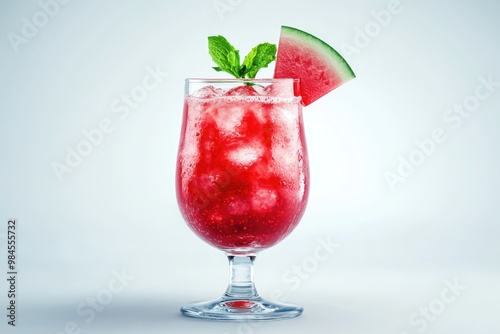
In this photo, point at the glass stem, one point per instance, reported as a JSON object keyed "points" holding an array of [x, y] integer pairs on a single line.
{"points": [[241, 285]]}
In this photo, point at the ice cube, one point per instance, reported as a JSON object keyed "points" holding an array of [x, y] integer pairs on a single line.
{"points": [[207, 186], [285, 121], [264, 200], [208, 92], [285, 141], [260, 112], [242, 91], [284, 158], [228, 116], [237, 206], [246, 155], [261, 90], [282, 88]]}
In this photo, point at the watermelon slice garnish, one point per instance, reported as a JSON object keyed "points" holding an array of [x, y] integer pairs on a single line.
{"points": [[319, 67]]}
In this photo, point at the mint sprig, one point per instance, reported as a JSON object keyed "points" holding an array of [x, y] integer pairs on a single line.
{"points": [[227, 58]]}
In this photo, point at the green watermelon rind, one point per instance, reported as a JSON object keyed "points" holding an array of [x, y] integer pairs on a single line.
{"points": [[341, 67]]}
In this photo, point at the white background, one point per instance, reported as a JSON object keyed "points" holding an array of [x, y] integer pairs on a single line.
{"points": [[116, 210]]}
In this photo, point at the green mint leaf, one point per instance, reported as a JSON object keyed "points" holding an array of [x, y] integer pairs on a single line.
{"points": [[224, 55], [227, 58], [259, 57]]}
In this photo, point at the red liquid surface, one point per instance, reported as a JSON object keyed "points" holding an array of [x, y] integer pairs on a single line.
{"points": [[242, 171]]}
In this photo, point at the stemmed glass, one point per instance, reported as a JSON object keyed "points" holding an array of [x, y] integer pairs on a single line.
{"points": [[242, 181]]}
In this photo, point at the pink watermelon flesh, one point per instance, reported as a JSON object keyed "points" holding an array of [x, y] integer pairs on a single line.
{"points": [[319, 67]]}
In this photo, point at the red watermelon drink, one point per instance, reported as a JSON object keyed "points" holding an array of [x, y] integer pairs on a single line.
{"points": [[242, 174], [242, 177]]}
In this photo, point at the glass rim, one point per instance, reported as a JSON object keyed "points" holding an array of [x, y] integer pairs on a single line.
{"points": [[241, 80]]}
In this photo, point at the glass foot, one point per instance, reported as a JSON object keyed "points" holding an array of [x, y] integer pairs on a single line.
{"points": [[241, 309]]}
